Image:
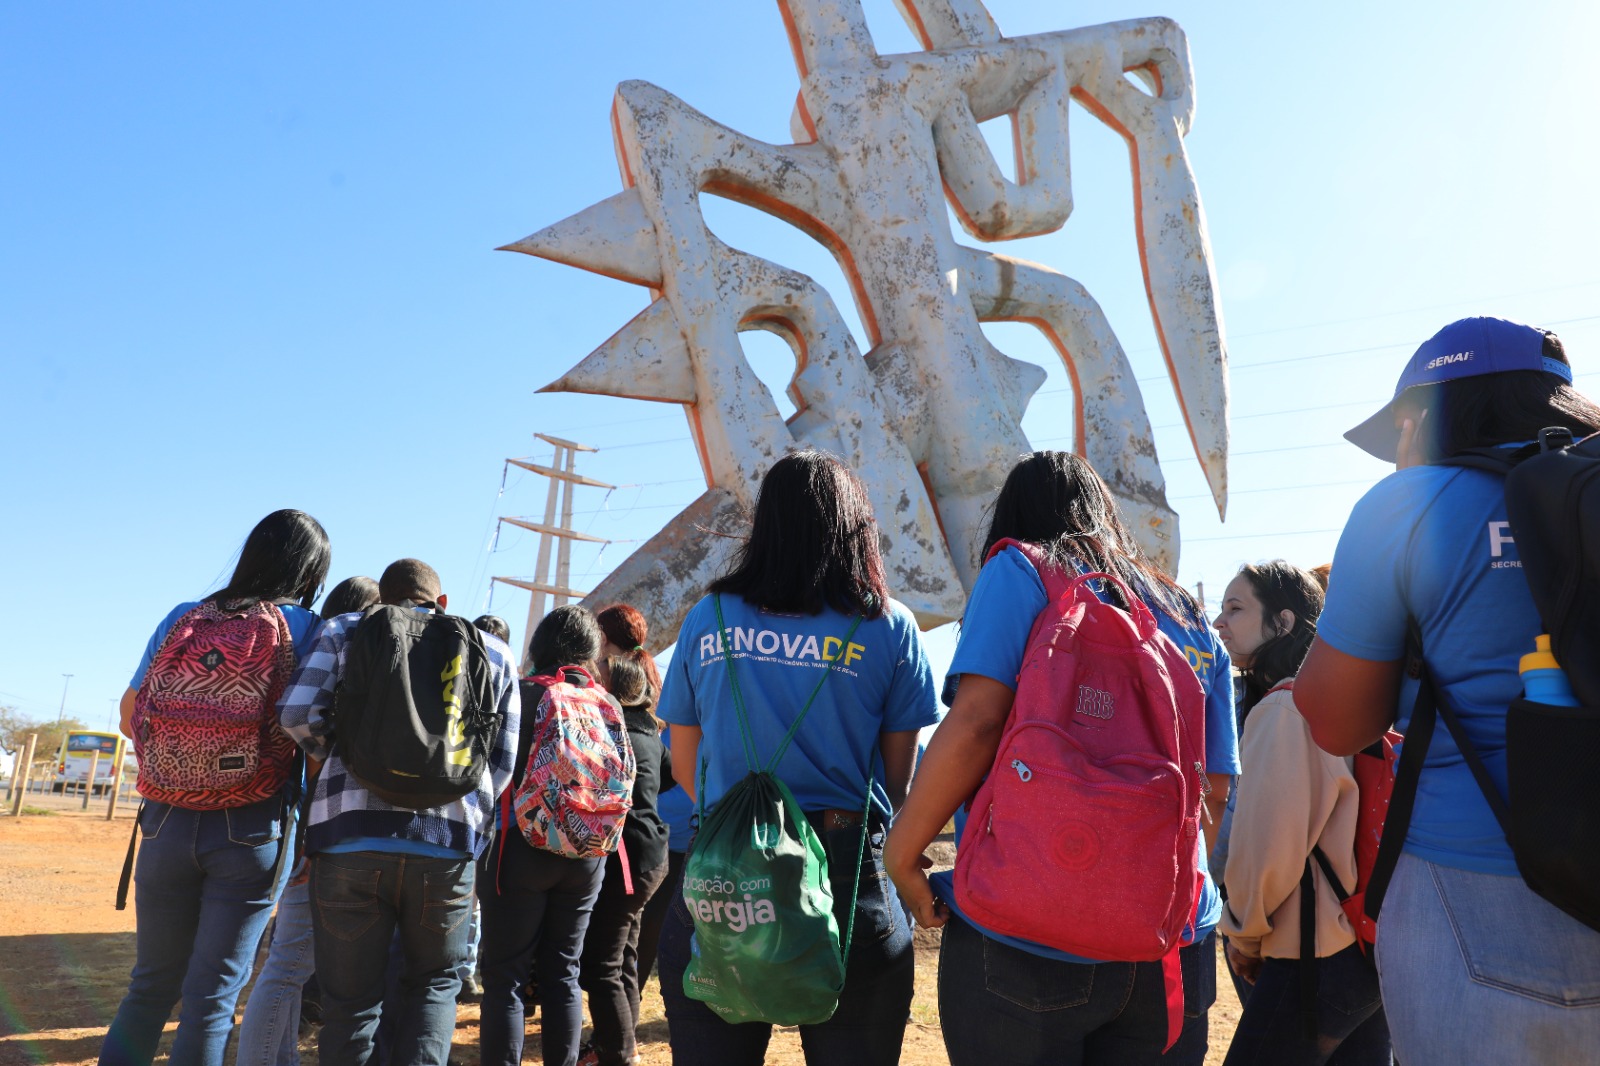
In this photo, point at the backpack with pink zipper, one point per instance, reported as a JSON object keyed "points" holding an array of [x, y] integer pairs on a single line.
{"points": [[1084, 837]]}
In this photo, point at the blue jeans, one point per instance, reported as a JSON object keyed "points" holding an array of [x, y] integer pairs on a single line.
{"points": [[1000, 1004], [359, 899], [1351, 1029], [204, 892], [536, 908], [870, 1024], [1476, 968], [269, 1034]]}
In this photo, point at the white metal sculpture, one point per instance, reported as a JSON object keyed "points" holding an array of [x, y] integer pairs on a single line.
{"points": [[930, 415]]}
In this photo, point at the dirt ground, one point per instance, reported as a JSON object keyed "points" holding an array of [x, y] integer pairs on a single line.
{"points": [[65, 954]]}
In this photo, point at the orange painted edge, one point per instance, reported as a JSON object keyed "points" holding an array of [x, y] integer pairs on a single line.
{"points": [[1065, 353], [1099, 111], [798, 344], [909, 9], [698, 432], [623, 163], [805, 116], [793, 33], [814, 228], [933, 500]]}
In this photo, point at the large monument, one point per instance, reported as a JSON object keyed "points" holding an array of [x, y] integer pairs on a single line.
{"points": [[929, 416]]}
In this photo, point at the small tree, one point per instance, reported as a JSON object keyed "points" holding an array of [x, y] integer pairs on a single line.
{"points": [[14, 728]]}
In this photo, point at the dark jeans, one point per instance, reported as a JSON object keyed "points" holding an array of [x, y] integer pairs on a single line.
{"points": [[1000, 1004], [535, 917], [359, 900], [870, 1024], [204, 892], [1351, 1027], [655, 913], [610, 970]]}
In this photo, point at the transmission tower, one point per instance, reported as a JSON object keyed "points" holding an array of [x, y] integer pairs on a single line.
{"points": [[563, 480]]}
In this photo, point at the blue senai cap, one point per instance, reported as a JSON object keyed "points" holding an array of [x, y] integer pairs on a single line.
{"points": [[1463, 349]]}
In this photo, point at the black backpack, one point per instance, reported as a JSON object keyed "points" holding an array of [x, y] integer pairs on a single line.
{"points": [[1551, 815], [414, 716]]}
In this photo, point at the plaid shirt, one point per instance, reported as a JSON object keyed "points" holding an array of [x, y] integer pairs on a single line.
{"points": [[340, 808]]}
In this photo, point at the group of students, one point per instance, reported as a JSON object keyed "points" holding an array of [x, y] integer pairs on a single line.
{"points": [[1470, 964]]}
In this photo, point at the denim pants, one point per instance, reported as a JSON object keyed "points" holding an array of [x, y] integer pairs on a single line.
{"points": [[610, 969], [269, 1034], [359, 899], [870, 1024], [1351, 1029], [203, 894], [1477, 968], [1000, 1004], [536, 909]]}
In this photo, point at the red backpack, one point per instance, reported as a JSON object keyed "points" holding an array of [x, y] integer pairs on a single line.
{"points": [[1094, 798], [205, 719], [1373, 769]]}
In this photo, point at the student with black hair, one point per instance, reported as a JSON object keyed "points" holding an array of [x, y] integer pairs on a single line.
{"points": [[205, 878], [493, 623], [1001, 998], [806, 593], [536, 904], [350, 596], [1293, 798], [377, 867], [610, 969], [1475, 966]]}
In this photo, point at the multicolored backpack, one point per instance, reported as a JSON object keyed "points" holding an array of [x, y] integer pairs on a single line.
{"points": [[578, 785], [205, 719]]}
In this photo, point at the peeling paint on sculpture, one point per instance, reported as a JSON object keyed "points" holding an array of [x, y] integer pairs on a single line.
{"points": [[930, 416]]}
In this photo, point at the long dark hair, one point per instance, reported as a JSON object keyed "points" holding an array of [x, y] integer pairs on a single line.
{"points": [[286, 557], [1280, 587], [624, 626], [567, 636], [1057, 501], [813, 542], [1510, 407]]}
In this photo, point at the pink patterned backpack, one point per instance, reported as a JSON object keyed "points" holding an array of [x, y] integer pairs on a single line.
{"points": [[205, 719], [1084, 835], [578, 785]]}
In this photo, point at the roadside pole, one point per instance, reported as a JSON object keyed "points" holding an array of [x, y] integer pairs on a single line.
{"points": [[26, 765], [88, 786], [116, 788]]}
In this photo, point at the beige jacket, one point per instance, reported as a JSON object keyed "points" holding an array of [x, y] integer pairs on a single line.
{"points": [[1292, 794]]}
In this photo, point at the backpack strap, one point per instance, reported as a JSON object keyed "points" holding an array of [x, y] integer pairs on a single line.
{"points": [[127, 863], [1327, 871], [1309, 974], [751, 759], [1428, 709]]}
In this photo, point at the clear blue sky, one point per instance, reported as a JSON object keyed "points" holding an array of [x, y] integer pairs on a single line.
{"points": [[246, 263]]}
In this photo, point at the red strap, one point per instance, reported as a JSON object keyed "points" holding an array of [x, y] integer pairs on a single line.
{"points": [[1172, 972], [1281, 686], [627, 875], [1172, 980]]}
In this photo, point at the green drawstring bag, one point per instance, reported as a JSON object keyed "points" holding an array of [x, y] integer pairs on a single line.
{"points": [[766, 945]]}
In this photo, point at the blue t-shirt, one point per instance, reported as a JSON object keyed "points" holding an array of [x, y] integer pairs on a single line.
{"points": [[881, 683], [675, 807], [302, 623], [1432, 543], [994, 636]]}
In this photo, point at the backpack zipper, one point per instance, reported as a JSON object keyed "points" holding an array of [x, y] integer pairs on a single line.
{"points": [[1023, 773]]}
